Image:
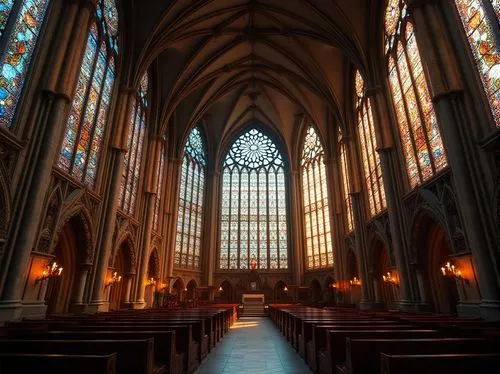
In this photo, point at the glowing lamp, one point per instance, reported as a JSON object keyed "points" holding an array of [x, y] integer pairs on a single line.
{"points": [[450, 270], [355, 282], [52, 270], [388, 278], [114, 279], [285, 289]]}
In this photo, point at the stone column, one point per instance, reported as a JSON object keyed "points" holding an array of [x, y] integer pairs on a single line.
{"points": [[147, 218], [172, 210], [446, 90], [104, 248], [297, 229], [81, 279], [390, 172], [128, 278], [210, 226], [62, 76]]}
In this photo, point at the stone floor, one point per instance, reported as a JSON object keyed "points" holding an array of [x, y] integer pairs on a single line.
{"points": [[253, 346]]}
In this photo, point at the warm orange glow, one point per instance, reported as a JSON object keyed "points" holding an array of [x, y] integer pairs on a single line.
{"points": [[241, 325], [51, 271], [285, 289], [114, 279], [389, 278], [355, 282], [450, 270]]}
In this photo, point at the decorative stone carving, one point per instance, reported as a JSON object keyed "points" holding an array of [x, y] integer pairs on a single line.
{"points": [[49, 224]]}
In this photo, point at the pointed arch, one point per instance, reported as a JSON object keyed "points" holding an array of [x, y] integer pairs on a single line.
{"points": [[18, 40], [82, 144], [191, 195], [253, 224], [318, 232], [421, 141]]}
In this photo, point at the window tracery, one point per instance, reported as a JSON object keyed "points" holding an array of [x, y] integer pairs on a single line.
{"points": [[318, 235], [253, 206], [82, 144]]}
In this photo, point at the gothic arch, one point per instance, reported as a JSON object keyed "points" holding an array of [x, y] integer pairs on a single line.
{"points": [[80, 212], [154, 265], [127, 248]]}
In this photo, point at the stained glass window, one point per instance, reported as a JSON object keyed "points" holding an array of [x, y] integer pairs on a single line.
{"points": [[319, 248], [82, 143], [369, 156], [133, 157], [254, 231], [159, 184], [480, 20], [418, 128], [20, 24], [346, 187], [191, 193]]}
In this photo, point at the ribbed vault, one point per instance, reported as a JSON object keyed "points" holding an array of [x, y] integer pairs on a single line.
{"points": [[231, 62]]}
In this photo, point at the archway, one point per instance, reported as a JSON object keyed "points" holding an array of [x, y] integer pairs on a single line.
{"points": [[119, 291], [280, 294], [191, 290], [225, 292], [385, 292], [315, 291], [151, 284], [178, 289], [435, 247], [353, 278], [71, 245]]}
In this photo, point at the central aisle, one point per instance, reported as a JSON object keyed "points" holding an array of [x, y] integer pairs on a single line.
{"points": [[253, 346]]}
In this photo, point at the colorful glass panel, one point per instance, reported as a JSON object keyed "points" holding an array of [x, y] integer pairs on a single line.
{"points": [[479, 29], [133, 158], [191, 194], [369, 156], [319, 249], [421, 141], [15, 58], [253, 206], [85, 129], [346, 187]]}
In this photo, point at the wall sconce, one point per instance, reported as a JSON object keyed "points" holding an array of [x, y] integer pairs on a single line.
{"points": [[51, 271], [334, 285], [151, 282], [185, 289], [114, 279], [449, 270], [221, 289], [285, 289], [388, 278], [355, 282]]}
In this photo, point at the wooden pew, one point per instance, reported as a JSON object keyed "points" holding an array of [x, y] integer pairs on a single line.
{"points": [[164, 343], [438, 364], [336, 342], [132, 356], [57, 364], [363, 355]]}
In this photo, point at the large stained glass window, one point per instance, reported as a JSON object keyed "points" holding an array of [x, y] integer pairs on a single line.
{"points": [[480, 20], [319, 249], [191, 193], [253, 206], [346, 187], [20, 24], [159, 184], [369, 156], [82, 143], [418, 128], [133, 157]]}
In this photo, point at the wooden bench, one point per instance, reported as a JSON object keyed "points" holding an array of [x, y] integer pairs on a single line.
{"points": [[439, 364], [133, 356], [336, 342], [11, 363], [363, 355]]}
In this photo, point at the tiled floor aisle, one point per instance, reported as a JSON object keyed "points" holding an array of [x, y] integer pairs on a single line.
{"points": [[254, 346]]}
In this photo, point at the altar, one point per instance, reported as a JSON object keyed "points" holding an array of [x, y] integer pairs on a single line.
{"points": [[253, 304]]}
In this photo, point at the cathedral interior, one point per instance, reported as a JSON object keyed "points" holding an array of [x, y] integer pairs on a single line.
{"points": [[186, 153]]}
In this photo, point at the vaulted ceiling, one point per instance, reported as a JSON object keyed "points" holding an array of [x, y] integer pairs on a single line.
{"points": [[231, 62]]}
